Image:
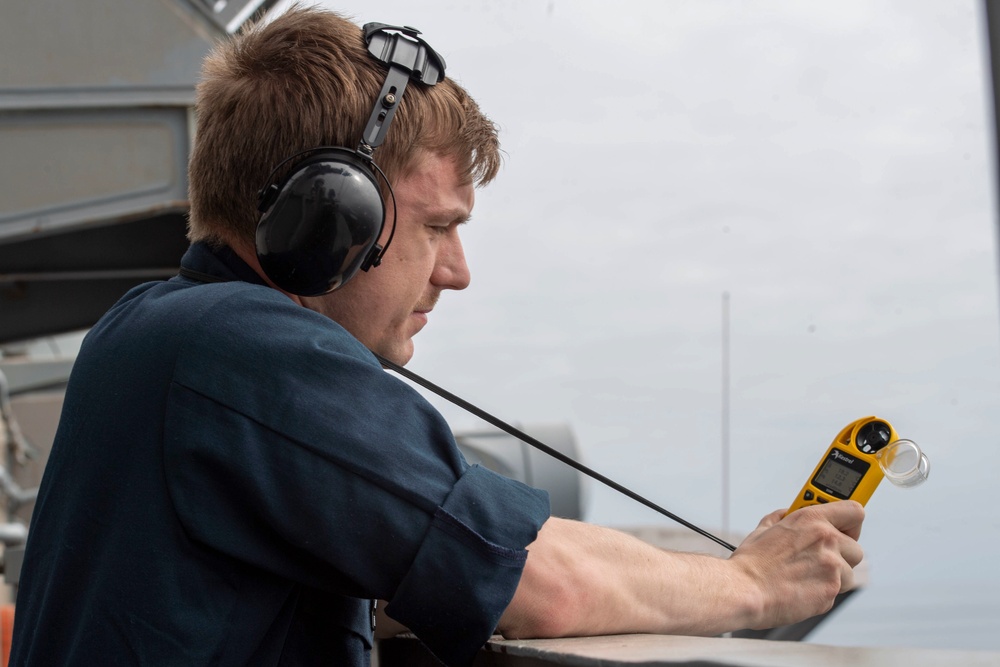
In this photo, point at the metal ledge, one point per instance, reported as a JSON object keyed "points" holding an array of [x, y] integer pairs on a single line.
{"points": [[668, 651]]}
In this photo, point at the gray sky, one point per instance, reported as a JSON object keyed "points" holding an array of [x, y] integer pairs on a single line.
{"points": [[829, 165]]}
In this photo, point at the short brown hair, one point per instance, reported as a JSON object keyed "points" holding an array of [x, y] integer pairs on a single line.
{"points": [[303, 80]]}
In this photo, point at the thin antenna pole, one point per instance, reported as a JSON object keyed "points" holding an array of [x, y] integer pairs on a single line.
{"points": [[725, 412]]}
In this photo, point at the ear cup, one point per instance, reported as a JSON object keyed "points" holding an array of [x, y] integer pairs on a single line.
{"points": [[321, 224]]}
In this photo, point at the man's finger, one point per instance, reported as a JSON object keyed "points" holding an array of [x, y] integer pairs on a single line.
{"points": [[772, 518], [846, 516], [851, 551], [846, 580]]}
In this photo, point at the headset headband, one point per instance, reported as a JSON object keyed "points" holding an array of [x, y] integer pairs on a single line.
{"points": [[408, 56]]}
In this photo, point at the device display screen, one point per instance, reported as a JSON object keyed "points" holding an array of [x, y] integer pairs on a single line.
{"points": [[838, 479]]}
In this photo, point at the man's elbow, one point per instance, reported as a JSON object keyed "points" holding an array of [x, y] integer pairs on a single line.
{"points": [[544, 608]]}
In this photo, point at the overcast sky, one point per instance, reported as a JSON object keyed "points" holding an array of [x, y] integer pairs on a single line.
{"points": [[827, 164]]}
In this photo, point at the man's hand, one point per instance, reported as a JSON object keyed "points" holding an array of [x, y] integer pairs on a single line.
{"points": [[800, 562]]}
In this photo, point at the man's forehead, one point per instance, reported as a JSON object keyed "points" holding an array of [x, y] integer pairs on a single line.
{"points": [[437, 187]]}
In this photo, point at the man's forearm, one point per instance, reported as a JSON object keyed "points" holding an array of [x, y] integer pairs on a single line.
{"points": [[586, 580], [582, 579]]}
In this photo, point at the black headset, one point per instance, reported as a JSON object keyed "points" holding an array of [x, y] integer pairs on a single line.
{"points": [[322, 222]]}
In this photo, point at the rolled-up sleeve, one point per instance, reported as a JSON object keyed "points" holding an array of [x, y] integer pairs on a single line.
{"points": [[469, 564]]}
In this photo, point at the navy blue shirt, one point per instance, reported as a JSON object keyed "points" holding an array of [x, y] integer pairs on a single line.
{"points": [[235, 477]]}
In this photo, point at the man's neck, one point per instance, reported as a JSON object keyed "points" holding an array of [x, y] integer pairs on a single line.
{"points": [[249, 255]]}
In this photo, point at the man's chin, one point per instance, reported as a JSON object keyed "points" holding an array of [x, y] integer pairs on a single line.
{"points": [[399, 354]]}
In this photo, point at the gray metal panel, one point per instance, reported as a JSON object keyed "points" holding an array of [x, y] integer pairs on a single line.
{"points": [[512, 458], [228, 15], [95, 118], [88, 53], [25, 374], [679, 651], [89, 166], [569, 500], [96, 124], [69, 54]]}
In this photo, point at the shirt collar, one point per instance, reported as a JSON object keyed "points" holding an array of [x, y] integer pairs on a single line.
{"points": [[217, 264]]}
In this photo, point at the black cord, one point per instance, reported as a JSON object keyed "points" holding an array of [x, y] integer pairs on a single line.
{"points": [[521, 435], [507, 428]]}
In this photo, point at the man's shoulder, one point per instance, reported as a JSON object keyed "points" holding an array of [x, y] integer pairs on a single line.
{"points": [[175, 315], [225, 307], [237, 323]]}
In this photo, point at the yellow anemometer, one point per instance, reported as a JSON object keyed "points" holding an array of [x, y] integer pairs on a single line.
{"points": [[864, 452]]}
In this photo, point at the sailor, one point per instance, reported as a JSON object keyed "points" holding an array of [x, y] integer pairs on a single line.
{"points": [[235, 479]]}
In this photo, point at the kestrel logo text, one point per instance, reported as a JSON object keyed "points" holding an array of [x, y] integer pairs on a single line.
{"points": [[842, 457]]}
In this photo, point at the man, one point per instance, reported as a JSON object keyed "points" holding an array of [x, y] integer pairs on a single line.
{"points": [[235, 478]]}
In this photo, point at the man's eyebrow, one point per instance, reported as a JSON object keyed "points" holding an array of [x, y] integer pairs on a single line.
{"points": [[451, 217]]}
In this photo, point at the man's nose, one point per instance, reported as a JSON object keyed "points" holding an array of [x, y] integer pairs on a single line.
{"points": [[451, 270]]}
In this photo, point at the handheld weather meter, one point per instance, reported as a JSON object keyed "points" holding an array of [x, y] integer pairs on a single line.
{"points": [[864, 452]]}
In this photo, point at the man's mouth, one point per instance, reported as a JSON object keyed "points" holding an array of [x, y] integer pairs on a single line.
{"points": [[421, 315]]}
